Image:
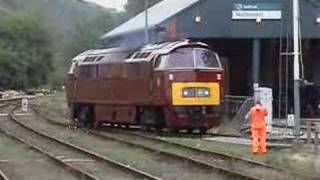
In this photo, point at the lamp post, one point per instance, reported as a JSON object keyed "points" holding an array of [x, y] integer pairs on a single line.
{"points": [[296, 53], [146, 32]]}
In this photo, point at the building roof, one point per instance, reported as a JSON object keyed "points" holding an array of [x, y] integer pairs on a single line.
{"points": [[157, 14]]}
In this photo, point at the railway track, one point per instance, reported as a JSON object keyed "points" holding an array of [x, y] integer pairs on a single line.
{"points": [[280, 143], [81, 162], [233, 163], [223, 162], [189, 164], [5, 107], [3, 176], [172, 134]]}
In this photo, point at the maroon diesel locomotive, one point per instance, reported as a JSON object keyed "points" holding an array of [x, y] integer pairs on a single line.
{"points": [[174, 85]]}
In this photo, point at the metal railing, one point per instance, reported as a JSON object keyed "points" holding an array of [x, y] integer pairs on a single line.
{"points": [[313, 127], [237, 108]]}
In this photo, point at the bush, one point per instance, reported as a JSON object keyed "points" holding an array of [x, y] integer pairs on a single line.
{"points": [[25, 51]]}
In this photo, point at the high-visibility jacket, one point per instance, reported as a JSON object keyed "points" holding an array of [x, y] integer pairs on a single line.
{"points": [[257, 117]]}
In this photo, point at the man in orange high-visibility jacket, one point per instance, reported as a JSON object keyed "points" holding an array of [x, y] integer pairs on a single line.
{"points": [[258, 124]]}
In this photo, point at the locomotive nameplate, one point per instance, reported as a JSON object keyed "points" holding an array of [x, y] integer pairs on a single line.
{"points": [[179, 99]]}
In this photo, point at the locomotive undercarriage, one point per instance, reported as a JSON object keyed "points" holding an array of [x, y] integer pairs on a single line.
{"points": [[151, 117], [83, 115], [173, 118], [192, 117]]}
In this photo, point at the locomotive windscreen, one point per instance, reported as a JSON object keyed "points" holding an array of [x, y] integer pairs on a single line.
{"points": [[190, 58]]}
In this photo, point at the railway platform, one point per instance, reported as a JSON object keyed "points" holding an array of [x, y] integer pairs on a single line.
{"points": [[246, 142]]}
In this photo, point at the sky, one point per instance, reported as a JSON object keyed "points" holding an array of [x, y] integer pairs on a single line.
{"points": [[118, 4]]}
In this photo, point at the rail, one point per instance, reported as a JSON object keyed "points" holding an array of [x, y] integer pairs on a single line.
{"points": [[212, 153], [80, 173], [16, 99], [200, 152], [3, 176], [194, 161]]}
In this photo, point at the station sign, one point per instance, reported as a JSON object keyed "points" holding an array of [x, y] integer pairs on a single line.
{"points": [[262, 10]]}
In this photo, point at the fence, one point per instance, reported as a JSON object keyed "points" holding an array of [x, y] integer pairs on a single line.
{"points": [[237, 108], [313, 126]]}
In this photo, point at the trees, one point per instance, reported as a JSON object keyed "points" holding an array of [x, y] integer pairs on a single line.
{"points": [[31, 54], [87, 32], [134, 7], [25, 51]]}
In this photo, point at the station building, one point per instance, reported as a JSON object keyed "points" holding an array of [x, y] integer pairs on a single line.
{"points": [[252, 37]]}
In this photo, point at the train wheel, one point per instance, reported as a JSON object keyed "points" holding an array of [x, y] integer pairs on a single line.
{"points": [[145, 127], [159, 128], [190, 130], [172, 130], [203, 130], [148, 119], [97, 125], [85, 117]]}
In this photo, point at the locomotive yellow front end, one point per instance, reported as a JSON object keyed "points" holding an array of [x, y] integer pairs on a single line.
{"points": [[196, 104], [196, 94]]}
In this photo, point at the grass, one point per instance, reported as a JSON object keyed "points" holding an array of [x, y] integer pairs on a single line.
{"points": [[302, 161], [54, 106]]}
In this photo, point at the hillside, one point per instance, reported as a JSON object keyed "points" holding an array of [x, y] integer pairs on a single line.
{"points": [[73, 26], [61, 14]]}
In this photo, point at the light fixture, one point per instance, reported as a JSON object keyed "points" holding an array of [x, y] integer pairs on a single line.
{"points": [[318, 20], [259, 20], [197, 19]]}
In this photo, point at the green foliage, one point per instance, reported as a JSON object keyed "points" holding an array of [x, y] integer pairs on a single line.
{"points": [[87, 32], [29, 50], [74, 27], [25, 51], [134, 7]]}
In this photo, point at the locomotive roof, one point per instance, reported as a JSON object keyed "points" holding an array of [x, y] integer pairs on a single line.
{"points": [[130, 55]]}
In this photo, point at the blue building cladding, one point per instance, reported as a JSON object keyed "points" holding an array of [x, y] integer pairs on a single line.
{"points": [[217, 21], [249, 35]]}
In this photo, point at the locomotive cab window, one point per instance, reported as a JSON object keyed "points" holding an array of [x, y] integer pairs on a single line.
{"points": [[159, 61], [205, 58], [180, 59], [189, 58]]}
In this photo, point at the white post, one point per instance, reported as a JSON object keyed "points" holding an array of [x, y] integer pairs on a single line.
{"points": [[24, 105], [296, 21], [146, 31]]}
